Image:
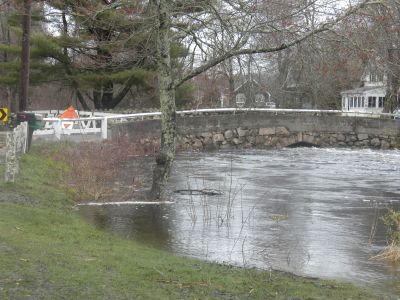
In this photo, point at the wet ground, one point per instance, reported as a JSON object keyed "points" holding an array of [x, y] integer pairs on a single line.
{"points": [[314, 212]]}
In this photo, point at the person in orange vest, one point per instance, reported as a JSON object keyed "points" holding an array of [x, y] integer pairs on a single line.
{"points": [[70, 113]]}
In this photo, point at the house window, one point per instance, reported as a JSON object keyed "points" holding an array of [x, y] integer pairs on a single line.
{"points": [[381, 101], [260, 98], [240, 99], [355, 101], [371, 101], [362, 102], [375, 76]]}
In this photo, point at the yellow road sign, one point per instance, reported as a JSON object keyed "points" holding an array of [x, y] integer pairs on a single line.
{"points": [[3, 114]]}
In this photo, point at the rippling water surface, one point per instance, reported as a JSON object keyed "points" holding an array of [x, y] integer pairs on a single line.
{"points": [[314, 212]]}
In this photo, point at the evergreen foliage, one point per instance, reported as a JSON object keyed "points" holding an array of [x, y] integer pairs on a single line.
{"points": [[99, 48]]}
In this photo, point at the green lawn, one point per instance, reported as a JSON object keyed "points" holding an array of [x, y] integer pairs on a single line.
{"points": [[48, 252]]}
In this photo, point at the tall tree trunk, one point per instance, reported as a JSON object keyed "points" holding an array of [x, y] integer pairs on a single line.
{"points": [[107, 98], [393, 80], [97, 95], [7, 38], [75, 84], [231, 81], [26, 31], [166, 156]]}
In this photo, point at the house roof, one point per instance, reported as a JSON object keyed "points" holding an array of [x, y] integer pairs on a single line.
{"points": [[250, 82], [364, 89]]}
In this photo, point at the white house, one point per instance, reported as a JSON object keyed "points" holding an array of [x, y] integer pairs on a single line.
{"points": [[251, 94], [370, 97]]}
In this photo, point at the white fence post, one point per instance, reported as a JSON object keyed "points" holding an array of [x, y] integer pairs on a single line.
{"points": [[104, 128], [58, 129], [26, 133]]}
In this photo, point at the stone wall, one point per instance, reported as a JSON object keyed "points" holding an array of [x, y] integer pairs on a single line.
{"points": [[269, 130], [280, 137], [17, 145]]}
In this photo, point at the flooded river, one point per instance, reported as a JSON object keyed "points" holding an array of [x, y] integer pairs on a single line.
{"points": [[313, 212]]}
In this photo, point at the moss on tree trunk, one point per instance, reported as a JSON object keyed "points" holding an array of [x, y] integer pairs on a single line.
{"points": [[166, 156]]}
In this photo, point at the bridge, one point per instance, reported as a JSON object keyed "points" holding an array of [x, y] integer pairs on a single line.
{"points": [[239, 128], [268, 128]]}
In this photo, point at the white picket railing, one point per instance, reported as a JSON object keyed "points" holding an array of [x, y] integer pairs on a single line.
{"points": [[97, 122], [57, 127]]}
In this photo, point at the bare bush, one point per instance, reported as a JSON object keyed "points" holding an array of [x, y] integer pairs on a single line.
{"points": [[392, 252], [93, 167]]}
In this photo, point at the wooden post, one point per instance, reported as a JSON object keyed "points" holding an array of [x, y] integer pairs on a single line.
{"points": [[26, 31], [104, 127]]}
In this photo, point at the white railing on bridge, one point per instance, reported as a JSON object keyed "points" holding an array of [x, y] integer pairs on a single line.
{"points": [[97, 122], [88, 123]]}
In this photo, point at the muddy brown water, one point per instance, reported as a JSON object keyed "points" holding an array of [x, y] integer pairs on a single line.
{"points": [[313, 212]]}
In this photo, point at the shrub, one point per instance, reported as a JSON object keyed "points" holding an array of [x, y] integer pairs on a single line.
{"points": [[392, 221], [94, 166], [392, 252]]}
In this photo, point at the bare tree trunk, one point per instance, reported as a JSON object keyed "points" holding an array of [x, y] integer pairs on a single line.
{"points": [[107, 98], [393, 80], [26, 31], [75, 84], [7, 38], [166, 156], [97, 95], [231, 81]]}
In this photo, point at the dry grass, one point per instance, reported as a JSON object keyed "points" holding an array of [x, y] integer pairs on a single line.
{"points": [[390, 254], [94, 167]]}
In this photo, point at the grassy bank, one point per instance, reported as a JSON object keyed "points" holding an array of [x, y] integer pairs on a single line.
{"points": [[48, 252]]}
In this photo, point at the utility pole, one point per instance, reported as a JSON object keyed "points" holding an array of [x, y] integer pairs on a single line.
{"points": [[26, 31]]}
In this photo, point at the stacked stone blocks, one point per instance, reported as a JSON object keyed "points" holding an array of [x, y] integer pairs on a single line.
{"points": [[269, 130], [17, 142], [280, 137]]}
